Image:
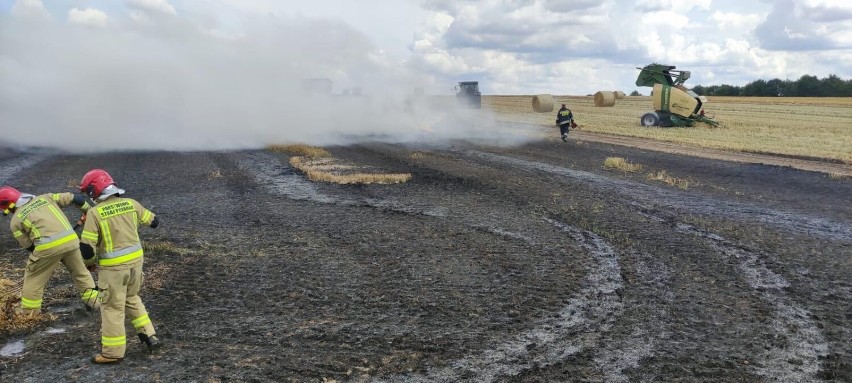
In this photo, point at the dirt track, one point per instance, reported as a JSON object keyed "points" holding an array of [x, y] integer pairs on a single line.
{"points": [[492, 264]]}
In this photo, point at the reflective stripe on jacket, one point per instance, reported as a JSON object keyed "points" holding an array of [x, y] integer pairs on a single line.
{"points": [[41, 222], [564, 116], [112, 228]]}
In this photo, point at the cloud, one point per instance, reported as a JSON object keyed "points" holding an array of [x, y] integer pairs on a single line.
{"points": [[827, 11], [156, 6], [29, 9], [568, 6], [680, 6], [734, 43], [88, 17], [448, 6], [798, 26], [733, 21], [518, 47], [530, 28]]}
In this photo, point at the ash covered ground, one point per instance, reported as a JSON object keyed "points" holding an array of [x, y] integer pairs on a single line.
{"points": [[526, 264]]}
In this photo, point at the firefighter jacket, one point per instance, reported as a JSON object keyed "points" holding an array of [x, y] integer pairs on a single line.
{"points": [[41, 224], [564, 116], [111, 228]]}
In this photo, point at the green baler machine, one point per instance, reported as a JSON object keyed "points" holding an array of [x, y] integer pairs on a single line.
{"points": [[674, 104]]}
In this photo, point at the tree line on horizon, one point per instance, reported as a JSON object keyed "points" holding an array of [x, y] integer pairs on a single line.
{"points": [[806, 86]]}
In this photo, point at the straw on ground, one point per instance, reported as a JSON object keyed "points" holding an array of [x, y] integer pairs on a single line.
{"points": [[10, 321], [300, 150], [619, 163], [323, 170], [665, 177], [319, 165]]}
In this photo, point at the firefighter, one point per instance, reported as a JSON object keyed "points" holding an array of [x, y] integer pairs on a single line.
{"points": [[565, 119], [111, 233], [39, 226]]}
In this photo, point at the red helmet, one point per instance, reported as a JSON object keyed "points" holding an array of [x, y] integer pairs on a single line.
{"points": [[8, 197], [95, 181]]}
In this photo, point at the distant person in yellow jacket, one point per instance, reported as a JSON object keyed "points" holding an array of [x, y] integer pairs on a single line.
{"points": [[111, 230], [39, 226]]}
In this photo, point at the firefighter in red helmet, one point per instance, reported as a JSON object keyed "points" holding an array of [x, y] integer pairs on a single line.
{"points": [[110, 238], [39, 226]]}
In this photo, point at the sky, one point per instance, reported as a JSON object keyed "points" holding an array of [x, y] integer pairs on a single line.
{"points": [[536, 46], [227, 73]]}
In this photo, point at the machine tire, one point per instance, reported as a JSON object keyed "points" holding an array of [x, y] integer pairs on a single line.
{"points": [[650, 119]]}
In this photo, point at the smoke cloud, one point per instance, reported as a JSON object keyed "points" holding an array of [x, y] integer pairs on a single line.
{"points": [[155, 81]]}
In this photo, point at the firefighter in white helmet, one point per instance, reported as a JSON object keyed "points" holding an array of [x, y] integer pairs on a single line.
{"points": [[111, 229], [39, 226]]}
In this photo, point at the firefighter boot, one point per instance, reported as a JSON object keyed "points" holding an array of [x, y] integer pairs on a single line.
{"points": [[101, 359], [152, 342]]}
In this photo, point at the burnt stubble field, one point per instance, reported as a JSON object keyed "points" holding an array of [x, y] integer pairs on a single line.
{"points": [[525, 264]]}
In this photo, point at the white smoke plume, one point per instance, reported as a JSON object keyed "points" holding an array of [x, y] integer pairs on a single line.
{"points": [[156, 81]]}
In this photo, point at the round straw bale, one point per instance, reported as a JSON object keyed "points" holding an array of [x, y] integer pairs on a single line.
{"points": [[618, 94], [543, 103], [604, 99]]}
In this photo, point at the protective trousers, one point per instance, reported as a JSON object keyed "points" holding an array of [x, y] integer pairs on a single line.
{"points": [[121, 284], [40, 268]]}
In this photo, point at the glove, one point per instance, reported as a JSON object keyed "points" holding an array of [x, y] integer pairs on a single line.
{"points": [[155, 222], [91, 263], [81, 201], [88, 253]]}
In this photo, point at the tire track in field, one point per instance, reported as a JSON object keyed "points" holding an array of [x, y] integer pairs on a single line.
{"points": [[579, 326], [799, 361], [277, 178], [614, 356], [576, 327], [682, 201], [282, 179], [11, 167]]}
